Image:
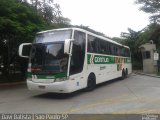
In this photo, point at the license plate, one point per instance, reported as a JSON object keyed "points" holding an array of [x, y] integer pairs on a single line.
{"points": [[42, 87]]}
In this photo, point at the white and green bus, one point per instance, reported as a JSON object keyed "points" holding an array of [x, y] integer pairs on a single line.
{"points": [[69, 59]]}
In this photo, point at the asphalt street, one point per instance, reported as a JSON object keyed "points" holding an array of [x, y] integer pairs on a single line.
{"points": [[136, 94]]}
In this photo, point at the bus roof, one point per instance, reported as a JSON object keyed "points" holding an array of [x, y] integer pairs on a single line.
{"points": [[86, 31]]}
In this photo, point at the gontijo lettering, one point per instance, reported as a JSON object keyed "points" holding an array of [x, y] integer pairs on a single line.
{"points": [[101, 59]]}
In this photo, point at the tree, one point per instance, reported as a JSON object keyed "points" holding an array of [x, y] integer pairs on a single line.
{"points": [[119, 40], [132, 39], [135, 39], [152, 32], [18, 23], [48, 9], [150, 6], [19, 20]]}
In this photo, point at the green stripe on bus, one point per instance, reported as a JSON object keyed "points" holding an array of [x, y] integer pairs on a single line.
{"points": [[101, 59], [58, 75]]}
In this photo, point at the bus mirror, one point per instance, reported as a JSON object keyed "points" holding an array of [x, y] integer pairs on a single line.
{"points": [[24, 50], [67, 44]]}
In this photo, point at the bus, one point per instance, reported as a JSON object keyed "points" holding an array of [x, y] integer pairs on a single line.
{"points": [[69, 59]]}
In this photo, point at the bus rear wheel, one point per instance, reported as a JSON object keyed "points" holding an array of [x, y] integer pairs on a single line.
{"points": [[91, 84]]}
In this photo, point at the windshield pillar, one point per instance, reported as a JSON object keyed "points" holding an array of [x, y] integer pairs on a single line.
{"points": [[69, 59], [77, 51]]}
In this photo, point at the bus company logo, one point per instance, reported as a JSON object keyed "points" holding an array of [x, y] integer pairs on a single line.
{"points": [[101, 60], [92, 59]]}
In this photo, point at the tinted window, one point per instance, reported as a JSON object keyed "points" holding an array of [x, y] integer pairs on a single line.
{"points": [[108, 51], [97, 45], [92, 44], [112, 47], [126, 52], [78, 53], [121, 51], [102, 47], [48, 58]]}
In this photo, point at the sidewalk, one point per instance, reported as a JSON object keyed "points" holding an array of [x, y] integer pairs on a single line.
{"points": [[12, 84], [140, 72], [11, 81]]}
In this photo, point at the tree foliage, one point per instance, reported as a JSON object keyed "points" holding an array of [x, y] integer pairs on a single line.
{"points": [[150, 6], [48, 9], [19, 22], [152, 32], [134, 39]]}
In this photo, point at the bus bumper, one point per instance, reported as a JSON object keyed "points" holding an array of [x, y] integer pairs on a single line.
{"points": [[57, 87]]}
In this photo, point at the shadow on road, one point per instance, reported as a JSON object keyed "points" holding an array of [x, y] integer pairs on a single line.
{"points": [[58, 95], [74, 94], [108, 82]]}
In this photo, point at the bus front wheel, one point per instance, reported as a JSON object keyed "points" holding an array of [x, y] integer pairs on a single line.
{"points": [[126, 72], [123, 74], [91, 84]]}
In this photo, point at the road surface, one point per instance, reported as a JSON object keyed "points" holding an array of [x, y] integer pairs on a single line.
{"points": [[136, 94]]}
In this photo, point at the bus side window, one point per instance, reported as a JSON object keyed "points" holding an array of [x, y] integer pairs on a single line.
{"points": [[109, 49], [89, 48], [119, 51], [112, 49], [92, 44], [102, 47], [127, 52], [122, 51]]}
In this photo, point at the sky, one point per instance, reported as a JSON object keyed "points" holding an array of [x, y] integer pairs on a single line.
{"points": [[110, 17]]}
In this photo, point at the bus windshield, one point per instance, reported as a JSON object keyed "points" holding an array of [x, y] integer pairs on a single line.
{"points": [[53, 36], [48, 58]]}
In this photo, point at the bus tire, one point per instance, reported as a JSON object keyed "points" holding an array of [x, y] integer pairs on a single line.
{"points": [[126, 72], [123, 74], [91, 83]]}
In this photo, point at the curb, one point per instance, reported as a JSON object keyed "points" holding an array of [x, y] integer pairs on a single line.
{"points": [[156, 76]]}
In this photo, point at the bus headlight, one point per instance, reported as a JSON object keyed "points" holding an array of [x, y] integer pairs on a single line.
{"points": [[60, 79]]}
